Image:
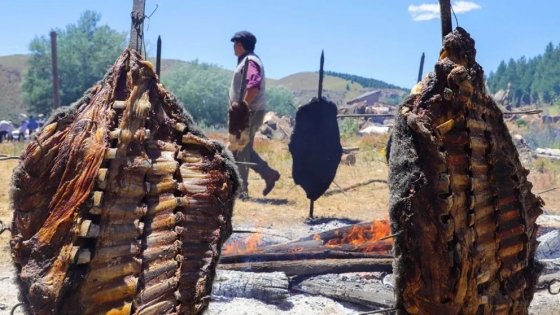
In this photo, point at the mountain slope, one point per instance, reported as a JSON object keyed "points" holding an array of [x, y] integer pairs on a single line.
{"points": [[304, 84]]}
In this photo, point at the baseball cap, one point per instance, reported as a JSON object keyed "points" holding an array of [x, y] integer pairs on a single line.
{"points": [[245, 37]]}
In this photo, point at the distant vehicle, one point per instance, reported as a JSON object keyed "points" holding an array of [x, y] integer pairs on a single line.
{"points": [[375, 130]]}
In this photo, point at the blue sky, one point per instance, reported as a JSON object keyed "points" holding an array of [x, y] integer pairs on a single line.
{"points": [[382, 39]]}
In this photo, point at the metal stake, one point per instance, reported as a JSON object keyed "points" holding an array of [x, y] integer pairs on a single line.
{"points": [[421, 68], [158, 57], [243, 88], [320, 90]]}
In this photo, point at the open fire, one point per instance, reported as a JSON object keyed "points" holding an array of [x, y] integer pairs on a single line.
{"points": [[364, 238]]}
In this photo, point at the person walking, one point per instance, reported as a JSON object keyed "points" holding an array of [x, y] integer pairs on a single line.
{"points": [[4, 129], [255, 96], [10, 130], [22, 130], [41, 120], [32, 125]]}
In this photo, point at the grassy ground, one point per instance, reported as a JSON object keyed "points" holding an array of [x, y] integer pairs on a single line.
{"points": [[287, 204]]}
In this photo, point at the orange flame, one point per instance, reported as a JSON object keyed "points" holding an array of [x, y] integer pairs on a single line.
{"points": [[359, 235], [359, 238], [249, 245], [363, 239]]}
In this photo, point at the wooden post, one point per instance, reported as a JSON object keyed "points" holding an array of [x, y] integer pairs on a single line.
{"points": [[445, 11], [137, 25], [54, 58]]}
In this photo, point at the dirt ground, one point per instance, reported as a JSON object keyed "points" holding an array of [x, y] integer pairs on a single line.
{"points": [[285, 210]]}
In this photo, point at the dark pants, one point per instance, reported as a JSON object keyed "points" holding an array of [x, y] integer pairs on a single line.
{"points": [[2, 135], [249, 155]]}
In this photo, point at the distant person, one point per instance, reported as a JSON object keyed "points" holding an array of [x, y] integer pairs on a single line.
{"points": [[4, 127], [10, 135], [41, 120], [22, 117], [255, 96], [22, 130], [32, 125]]}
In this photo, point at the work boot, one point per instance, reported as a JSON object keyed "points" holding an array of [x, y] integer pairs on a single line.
{"points": [[244, 194], [271, 180]]}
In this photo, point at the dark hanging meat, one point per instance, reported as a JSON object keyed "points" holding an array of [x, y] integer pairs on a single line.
{"points": [[121, 204], [239, 123], [315, 147], [459, 197]]}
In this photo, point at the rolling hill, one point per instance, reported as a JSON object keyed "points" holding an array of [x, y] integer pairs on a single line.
{"points": [[303, 85]]}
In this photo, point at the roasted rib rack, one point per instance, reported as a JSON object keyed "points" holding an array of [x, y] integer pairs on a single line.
{"points": [[121, 203], [459, 197]]}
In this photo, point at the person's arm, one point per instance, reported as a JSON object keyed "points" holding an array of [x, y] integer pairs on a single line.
{"points": [[253, 82], [250, 95]]}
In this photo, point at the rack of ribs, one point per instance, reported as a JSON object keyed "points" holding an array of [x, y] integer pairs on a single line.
{"points": [[121, 203], [460, 200]]}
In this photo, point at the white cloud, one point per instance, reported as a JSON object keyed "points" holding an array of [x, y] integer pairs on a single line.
{"points": [[426, 12]]}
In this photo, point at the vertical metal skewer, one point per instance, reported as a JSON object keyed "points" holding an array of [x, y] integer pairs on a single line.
{"points": [[421, 68], [158, 57], [319, 96]]}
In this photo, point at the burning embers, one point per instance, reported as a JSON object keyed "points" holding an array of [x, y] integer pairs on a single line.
{"points": [[249, 245], [362, 238]]}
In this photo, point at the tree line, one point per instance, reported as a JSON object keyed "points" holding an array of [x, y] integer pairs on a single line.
{"points": [[365, 82], [533, 81], [86, 50]]}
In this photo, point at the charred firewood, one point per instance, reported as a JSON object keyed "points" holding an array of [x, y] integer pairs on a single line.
{"points": [[315, 147], [121, 203], [460, 198]]}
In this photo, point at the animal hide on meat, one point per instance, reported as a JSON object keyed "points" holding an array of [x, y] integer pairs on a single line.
{"points": [[315, 147], [459, 197], [121, 204], [239, 122]]}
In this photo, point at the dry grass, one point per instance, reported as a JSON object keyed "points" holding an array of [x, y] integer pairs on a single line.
{"points": [[5, 213], [287, 206], [6, 167]]}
